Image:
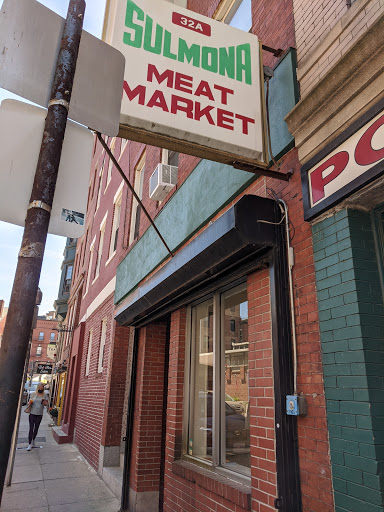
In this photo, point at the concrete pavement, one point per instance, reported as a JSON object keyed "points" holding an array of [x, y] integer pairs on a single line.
{"points": [[54, 478]]}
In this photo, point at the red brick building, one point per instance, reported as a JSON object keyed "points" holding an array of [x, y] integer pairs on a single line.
{"points": [[44, 333], [190, 358]]}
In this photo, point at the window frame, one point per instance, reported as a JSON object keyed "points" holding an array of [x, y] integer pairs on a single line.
{"points": [[90, 263], [227, 10], [239, 473], [139, 188], [103, 337], [41, 336], [100, 249], [117, 201], [89, 353], [110, 163]]}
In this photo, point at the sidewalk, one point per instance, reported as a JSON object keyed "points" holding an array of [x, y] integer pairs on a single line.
{"points": [[54, 478]]}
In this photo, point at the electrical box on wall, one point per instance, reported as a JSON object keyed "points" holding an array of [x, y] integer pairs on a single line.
{"points": [[296, 405]]}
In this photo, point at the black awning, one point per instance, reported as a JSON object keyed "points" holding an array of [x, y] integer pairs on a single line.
{"points": [[242, 234]]}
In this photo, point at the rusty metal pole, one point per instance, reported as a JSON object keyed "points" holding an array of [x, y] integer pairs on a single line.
{"points": [[20, 313]]}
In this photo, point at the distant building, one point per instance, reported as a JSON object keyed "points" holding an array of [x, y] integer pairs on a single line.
{"points": [[64, 337], [44, 334]]}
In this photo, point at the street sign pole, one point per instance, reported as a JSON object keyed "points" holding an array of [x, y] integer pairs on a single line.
{"points": [[20, 313]]}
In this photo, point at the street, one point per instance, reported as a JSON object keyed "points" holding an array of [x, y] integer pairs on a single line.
{"points": [[54, 478]]}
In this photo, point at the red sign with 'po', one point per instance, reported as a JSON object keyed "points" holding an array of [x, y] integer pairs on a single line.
{"points": [[345, 168]]}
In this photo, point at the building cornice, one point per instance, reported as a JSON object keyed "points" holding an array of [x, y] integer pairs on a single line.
{"points": [[349, 88]]}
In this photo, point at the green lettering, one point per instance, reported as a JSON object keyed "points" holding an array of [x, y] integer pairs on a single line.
{"points": [[227, 61], [167, 46], [243, 63], [209, 59], [156, 48], [138, 35], [189, 54]]}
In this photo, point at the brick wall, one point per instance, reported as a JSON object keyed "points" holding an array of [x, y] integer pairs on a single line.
{"points": [[148, 417], [261, 393], [47, 327], [92, 397], [325, 31], [352, 326]]}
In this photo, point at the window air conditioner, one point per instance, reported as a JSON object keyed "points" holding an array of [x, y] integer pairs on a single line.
{"points": [[163, 179]]}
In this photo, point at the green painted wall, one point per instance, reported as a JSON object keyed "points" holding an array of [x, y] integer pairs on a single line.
{"points": [[352, 336], [283, 96], [206, 190]]}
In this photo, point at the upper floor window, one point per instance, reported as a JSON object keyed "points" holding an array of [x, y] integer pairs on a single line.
{"points": [[39, 350], [170, 157], [41, 336], [89, 352], [101, 246], [116, 221], [110, 165], [91, 250], [67, 279], [102, 345], [136, 209], [236, 13], [52, 336]]}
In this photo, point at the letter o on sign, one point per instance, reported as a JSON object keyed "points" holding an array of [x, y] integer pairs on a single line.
{"points": [[364, 153]]}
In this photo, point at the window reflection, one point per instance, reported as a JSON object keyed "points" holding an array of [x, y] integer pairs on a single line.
{"points": [[235, 338]]}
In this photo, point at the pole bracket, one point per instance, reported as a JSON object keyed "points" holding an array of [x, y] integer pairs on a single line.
{"points": [[61, 102], [277, 52], [41, 205]]}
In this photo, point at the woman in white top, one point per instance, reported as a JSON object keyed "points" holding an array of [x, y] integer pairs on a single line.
{"points": [[38, 400]]}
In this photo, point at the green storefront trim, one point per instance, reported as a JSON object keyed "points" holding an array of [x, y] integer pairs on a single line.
{"points": [[350, 298]]}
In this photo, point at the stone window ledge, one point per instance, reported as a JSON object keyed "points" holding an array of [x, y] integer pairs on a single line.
{"points": [[222, 486]]}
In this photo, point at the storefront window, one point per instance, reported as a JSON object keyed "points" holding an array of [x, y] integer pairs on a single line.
{"points": [[218, 429], [200, 440]]}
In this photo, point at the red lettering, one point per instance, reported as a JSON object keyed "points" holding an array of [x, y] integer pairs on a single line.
{"points": [[245, 121], [137, 91], [177, 105], [364, 152], [183, 83], [158, 100], [199, 113], [203, 89], [223, 116], [167, 75], [224, 93], [339, 162]]}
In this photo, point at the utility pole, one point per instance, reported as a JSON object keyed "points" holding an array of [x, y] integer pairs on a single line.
{"points": [[20, 313]]}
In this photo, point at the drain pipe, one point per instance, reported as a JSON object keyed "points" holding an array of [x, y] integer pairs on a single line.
{"points": [[291, 262]]}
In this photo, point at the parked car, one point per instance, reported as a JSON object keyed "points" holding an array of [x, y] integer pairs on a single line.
{"points": [[237, 432]]}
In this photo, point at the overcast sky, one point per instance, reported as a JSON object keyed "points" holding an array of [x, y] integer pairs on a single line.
{"points": [[10, 235]]}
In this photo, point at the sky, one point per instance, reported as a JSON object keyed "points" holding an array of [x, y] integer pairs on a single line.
{"points": [[10, 235]]}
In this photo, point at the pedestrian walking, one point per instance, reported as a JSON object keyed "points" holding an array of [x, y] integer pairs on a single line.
{"points": [[37, 402]]}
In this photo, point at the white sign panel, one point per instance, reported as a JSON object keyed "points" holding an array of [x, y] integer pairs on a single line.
{"points": [[348, 167], [188, 77], [51, 351], [21, 131], [30, 36]]}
